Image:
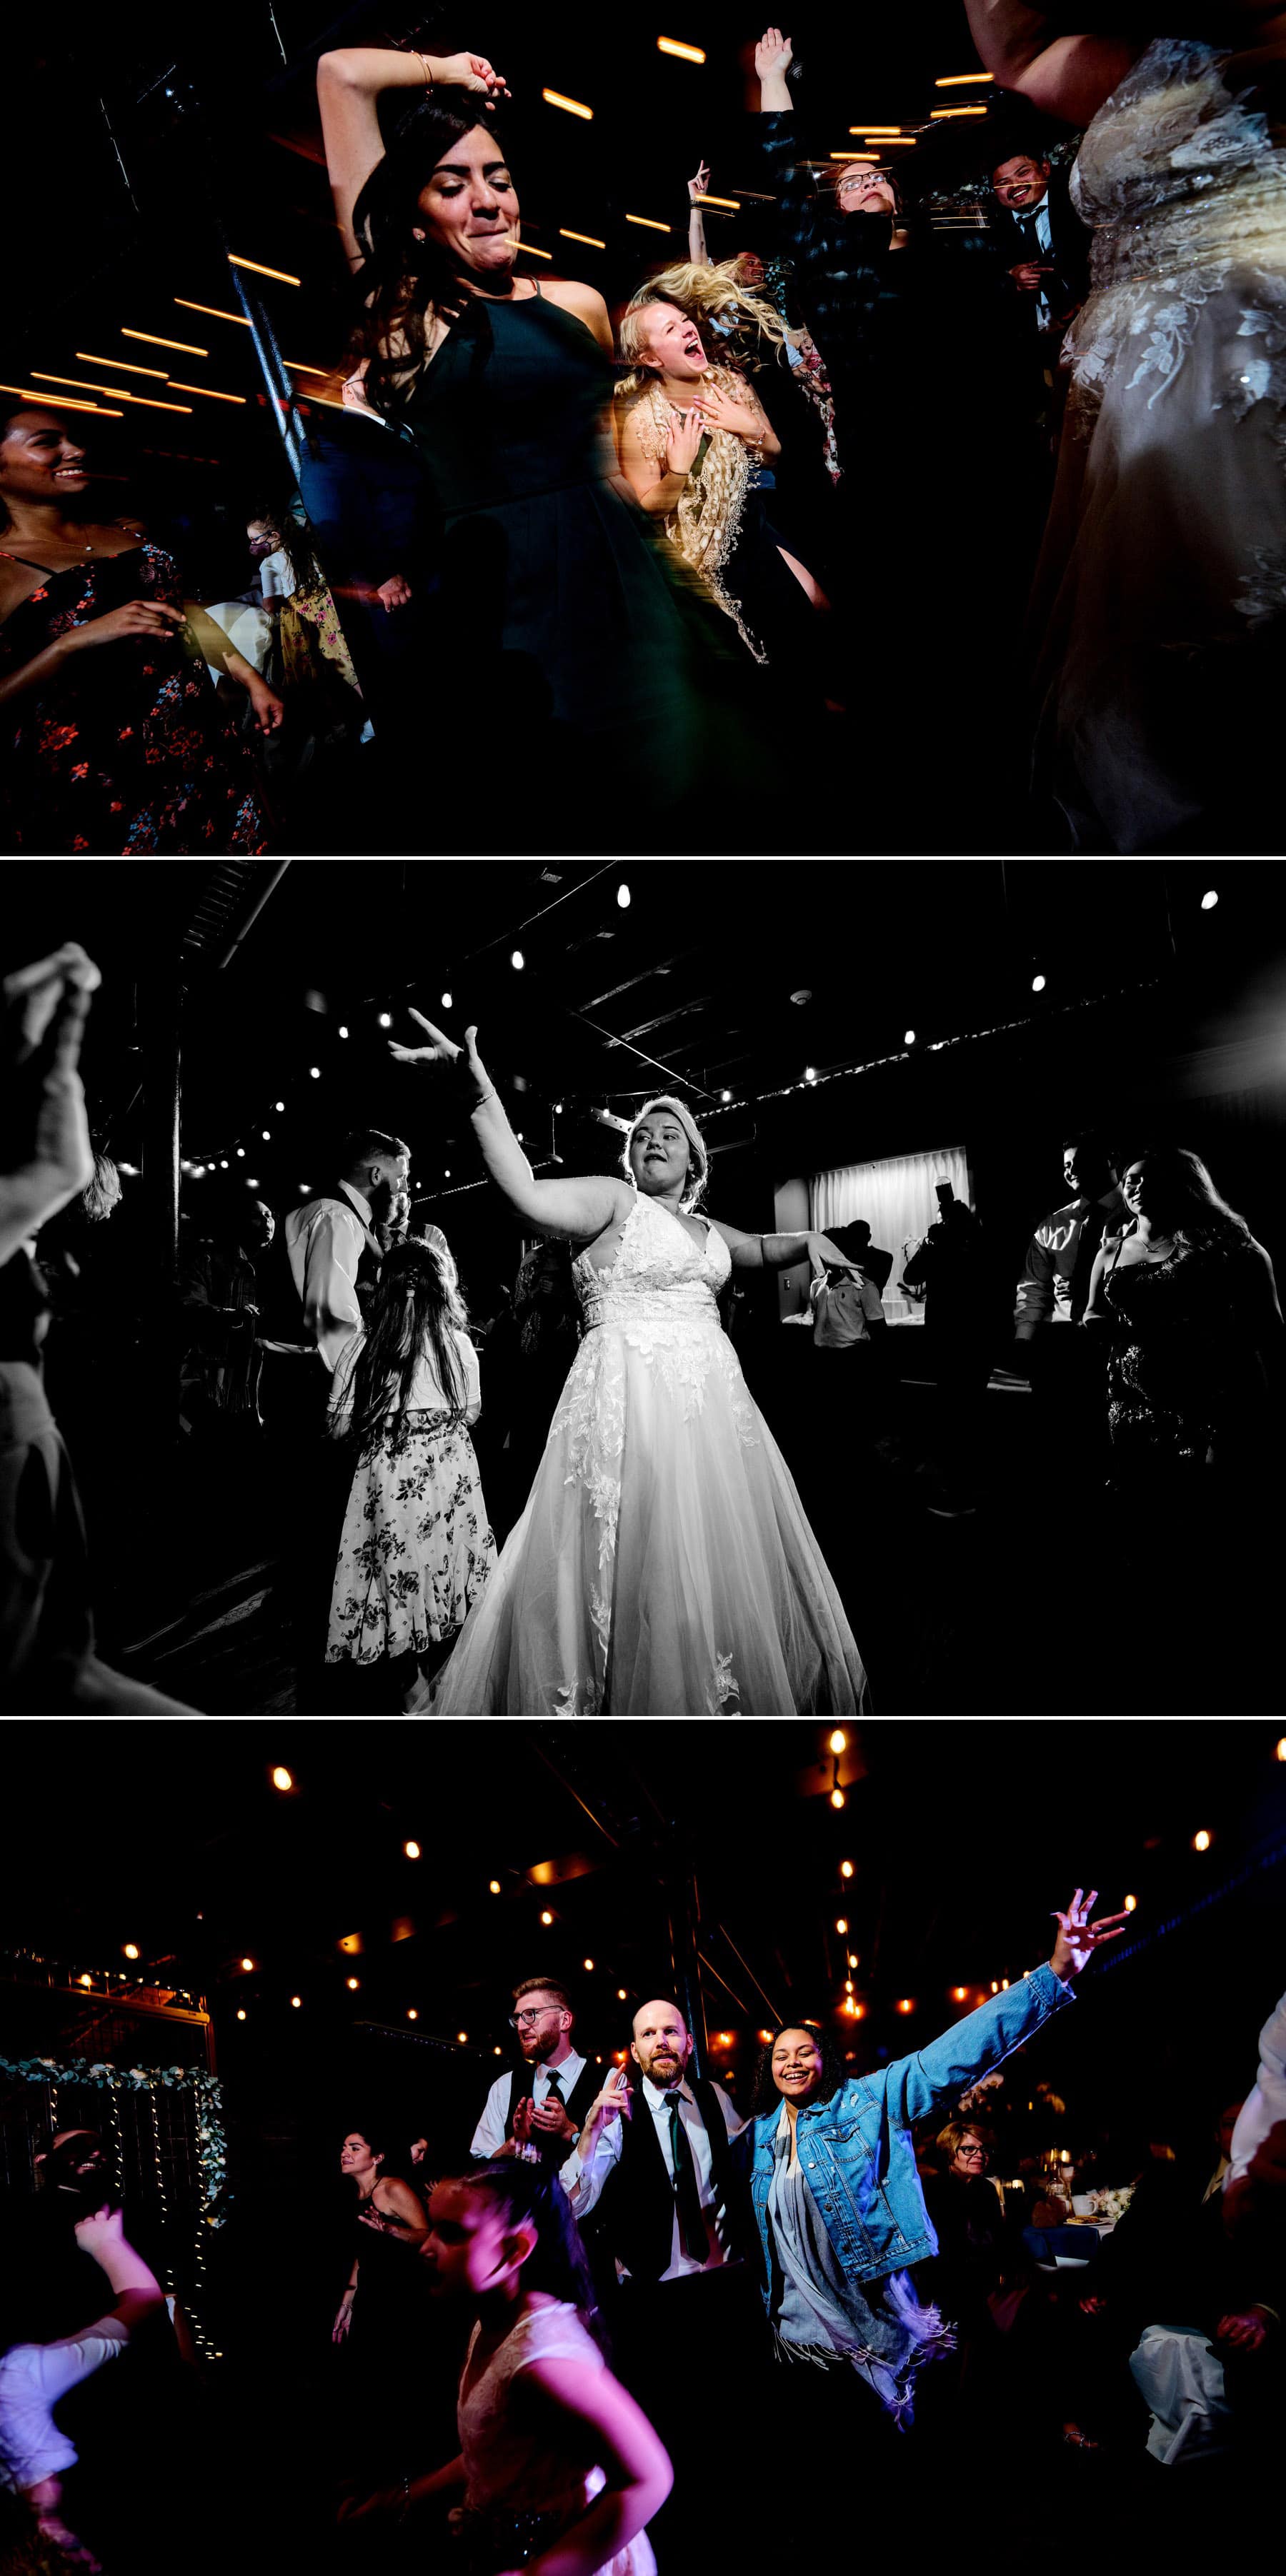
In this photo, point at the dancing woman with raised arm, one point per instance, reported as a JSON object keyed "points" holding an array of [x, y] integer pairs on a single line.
{"points": [[1159, 613], [553, 617], [663, 1566]]}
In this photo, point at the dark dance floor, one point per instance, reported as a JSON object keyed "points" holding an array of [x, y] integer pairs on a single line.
{"points": [[1029, 1604]]}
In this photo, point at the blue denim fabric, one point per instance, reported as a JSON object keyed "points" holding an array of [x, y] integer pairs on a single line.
{"points": [[857, 2149]]}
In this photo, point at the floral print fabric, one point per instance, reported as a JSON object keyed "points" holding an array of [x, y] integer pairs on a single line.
{"points": [[416, 1550], [127, 751]]}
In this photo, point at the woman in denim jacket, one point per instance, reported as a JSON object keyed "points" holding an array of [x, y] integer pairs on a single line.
{"points": [[833, 2178]]}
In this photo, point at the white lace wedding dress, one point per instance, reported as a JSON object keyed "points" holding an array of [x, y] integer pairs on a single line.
{"points": [[1160, 601], [663, 1566], [509, 2471]]}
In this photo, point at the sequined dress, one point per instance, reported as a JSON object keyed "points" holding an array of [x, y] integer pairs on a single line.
{"points": [[663, 1566], [1160, 601]]}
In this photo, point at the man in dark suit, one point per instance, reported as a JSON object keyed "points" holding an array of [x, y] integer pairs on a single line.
{"points": [[1043, 247]]}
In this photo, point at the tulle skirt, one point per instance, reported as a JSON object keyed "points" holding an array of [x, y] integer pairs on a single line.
{"points": [[664, 1566]]}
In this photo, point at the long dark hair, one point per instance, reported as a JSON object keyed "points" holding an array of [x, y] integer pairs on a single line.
{"points": [[531, 2195], [402, 279], [1189, 1208], [416, 1303], [766, 2097]]}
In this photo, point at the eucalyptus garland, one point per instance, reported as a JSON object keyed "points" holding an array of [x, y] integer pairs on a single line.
{"points": [[211, 2143]]}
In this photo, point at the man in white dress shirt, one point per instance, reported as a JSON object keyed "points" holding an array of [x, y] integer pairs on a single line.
{"points": [[657, 2161], [331, 1240], [535, 2111]]}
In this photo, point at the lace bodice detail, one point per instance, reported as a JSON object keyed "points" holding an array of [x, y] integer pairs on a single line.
{"points": [[1164, 155], [1186, 191], [507, 2467], [660, 1277]]}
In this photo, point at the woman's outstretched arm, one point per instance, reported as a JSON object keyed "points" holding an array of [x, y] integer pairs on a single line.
{"points": [[1067, 76], [579, 1208], [350, 81]]}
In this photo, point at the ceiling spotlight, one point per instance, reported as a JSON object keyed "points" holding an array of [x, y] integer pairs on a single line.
{"points": [[446, 1001], [908, 1037], [623, 897], [281, 1778], [518, 959], [412, 1850], [342, 1033], [1038, 983], [315, 1071], [1208, 901], [386, 1019], [130, 1950]]}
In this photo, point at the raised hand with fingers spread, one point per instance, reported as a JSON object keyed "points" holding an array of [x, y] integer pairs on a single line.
{"points": [[1078, 1938]]}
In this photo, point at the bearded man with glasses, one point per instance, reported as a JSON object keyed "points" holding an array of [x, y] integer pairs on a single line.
{"points": [[536, 2110]]}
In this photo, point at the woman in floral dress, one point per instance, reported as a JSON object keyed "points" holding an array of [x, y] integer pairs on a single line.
{"points": [[117, 744], [416, 1549]]}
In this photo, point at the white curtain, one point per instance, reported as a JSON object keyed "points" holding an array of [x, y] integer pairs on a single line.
{"points": [[895, 1197]]}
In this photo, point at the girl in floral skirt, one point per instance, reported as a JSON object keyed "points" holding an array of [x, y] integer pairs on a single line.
{"points": [[416, 1549]]}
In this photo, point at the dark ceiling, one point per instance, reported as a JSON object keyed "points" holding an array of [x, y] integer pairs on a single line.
{"points": [[690, 986], [962, 1838], [137, 134]]}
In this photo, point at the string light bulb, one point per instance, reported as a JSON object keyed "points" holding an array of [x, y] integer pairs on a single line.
{"points": [[518, 960], [620, 1994], [352, 1984], [131, 1950], [241, 2015], [588, 1966], [296, 2003], [839, 1741], [446, 1000], [494, 1886], [838, 1798], [247, 1964], [413, 2015], [412, 1850], [1201, 1842], [546, 1917], [279, 1105], [841, 1923], [1130, 1904], [386, 1019], [623, 897], [281, 1778], [1208, 901], [846, 1869]]}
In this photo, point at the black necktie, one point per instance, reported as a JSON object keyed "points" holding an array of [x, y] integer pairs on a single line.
{"points": [[687, 2192], [1091, 1239], [1030, 231], [555, 2088]]}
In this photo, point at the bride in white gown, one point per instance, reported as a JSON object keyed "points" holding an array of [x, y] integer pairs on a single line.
{"points": [[664, 1566], [1160, 602]]}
